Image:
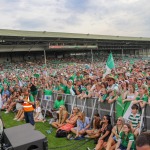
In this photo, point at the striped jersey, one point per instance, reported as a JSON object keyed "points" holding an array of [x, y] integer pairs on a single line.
{"points": [[134, 119]]}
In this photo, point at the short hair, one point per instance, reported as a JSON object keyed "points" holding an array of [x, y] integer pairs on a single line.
{"points": [[59, 97], [134, 106], [143, 139]]}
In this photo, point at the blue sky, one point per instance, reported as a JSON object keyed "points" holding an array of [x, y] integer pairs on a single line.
{"points": [[103, 17]]}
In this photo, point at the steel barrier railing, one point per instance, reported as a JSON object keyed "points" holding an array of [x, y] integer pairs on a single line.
{"points": [[89, 106]]}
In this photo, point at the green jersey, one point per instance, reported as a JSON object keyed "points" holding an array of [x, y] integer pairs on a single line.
{"points": [[57, 104], [126, 138]]}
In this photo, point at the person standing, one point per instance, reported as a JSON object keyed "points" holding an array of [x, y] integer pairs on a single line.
{"points": [[28, 108]]}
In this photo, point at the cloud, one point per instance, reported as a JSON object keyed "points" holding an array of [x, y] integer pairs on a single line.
{"points": [[107, 17]]}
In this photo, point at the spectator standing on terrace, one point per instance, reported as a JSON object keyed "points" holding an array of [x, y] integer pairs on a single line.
{"points": [[5, 96], [111, 84], [138, 84], [33, 88], [142, 97], [128, 99], [78, 87]]}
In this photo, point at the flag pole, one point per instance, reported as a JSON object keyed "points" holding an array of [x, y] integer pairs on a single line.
{"points": [[92, 56], [45, 57]]}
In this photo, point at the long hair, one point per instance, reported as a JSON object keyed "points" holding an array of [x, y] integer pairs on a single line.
{"points": [[82, 115], [130, 130], [108, 118], [63, 110]]}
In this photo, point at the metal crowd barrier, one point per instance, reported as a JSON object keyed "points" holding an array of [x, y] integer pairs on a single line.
{"points": [[91, 106]]}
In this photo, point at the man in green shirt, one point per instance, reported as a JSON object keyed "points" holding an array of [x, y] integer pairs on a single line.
{"points": [[58, 103]]}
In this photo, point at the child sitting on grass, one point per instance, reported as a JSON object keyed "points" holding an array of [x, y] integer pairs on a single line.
{"points": [[134, 120]]}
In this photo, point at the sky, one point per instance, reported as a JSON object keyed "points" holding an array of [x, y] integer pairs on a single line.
{"points": [[102, 17]]}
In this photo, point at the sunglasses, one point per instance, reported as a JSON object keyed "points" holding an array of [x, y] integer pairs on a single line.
{"points": [[109, 80], [119, 120]]}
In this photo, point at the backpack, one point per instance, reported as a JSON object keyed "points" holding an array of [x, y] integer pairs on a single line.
{"points": [[61, 133]]}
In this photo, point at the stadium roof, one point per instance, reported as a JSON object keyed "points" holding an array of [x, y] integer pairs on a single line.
{"points": [[17, 40]]}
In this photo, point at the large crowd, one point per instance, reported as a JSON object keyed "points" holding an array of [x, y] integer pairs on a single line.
{"points": [[128, 85]]}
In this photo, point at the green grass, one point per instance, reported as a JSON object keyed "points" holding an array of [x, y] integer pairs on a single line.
{"points": [[52, 140]]}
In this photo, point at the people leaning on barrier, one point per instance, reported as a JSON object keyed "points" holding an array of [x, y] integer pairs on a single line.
{"points": [[111, 84], [103, 95], [113, 95], [63, 114], [117, 129], [142, 97], [128, 99], [143, 141], [126, 139]]}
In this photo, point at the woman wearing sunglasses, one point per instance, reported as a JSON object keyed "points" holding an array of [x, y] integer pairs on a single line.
{"points": [[83, 124], [63, 114], [105, 130], [111, 144]]}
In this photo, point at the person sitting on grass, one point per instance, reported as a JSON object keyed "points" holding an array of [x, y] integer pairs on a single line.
{"points": [[20, 113], [38, 117], [126, 139], [55, 111], [83, 124], [105, 131], [96, 126], [63, 114], [134, 120], [70, 122], [117, 129]]}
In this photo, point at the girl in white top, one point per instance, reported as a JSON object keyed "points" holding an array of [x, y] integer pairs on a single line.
{"points": [[38, 114], [128, 98]]}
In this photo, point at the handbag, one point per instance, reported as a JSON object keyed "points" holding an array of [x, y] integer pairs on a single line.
{"points": [[61, 133]]}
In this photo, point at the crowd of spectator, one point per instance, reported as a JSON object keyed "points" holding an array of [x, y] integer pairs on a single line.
{"points": [[128, 85]]}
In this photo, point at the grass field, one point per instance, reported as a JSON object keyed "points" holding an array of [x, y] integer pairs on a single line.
{"points": [[53, 143]]}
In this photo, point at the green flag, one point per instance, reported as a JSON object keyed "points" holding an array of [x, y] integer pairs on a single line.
{"points": [[109, 64]]}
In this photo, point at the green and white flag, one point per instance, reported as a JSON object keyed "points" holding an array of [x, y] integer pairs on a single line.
{"points": [[109, 65]]}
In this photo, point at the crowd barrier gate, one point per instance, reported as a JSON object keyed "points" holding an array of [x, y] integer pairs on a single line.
{"points": [[90, 106]]}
